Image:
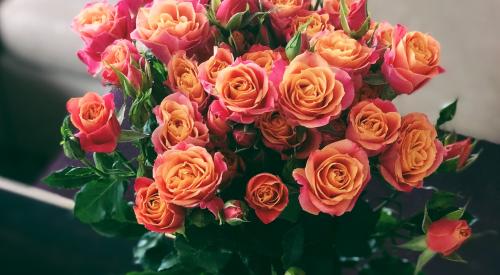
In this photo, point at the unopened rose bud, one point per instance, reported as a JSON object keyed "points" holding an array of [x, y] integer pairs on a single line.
{"points": [[461, 150], [245, 136], [235, 212], [445, 236]]}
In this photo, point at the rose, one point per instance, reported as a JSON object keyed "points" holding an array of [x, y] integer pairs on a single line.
{"points": [[373, 125], [318, 22], [135, 5], [269, 60], [283, 12], [445, 236], [356, 12], [381, 36], [188, 175], [99, 24], [217, 120], [415, 155], [179, 121], [280, 136], [153, 212], [171, 25], [123, 57], [245, 136], [228, 8], [183, 78], [333, 178], [244, 89], [267, 195], [460, 150], [342, 51], [412, 61], [94, 116], [235, 212], [312, 93], [208, 70]]}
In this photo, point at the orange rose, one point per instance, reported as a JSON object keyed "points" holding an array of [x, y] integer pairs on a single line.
{"points": [[183, 77], [318, 23], [153, 212], [333, 179], [446, 236], [374, 125], [187, 175], [269, 60], [342, 51], [312, 93], [416, 154], [382, 36], [267, 195], [209, 69]]}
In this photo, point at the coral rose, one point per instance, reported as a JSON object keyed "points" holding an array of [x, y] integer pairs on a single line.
{"points": [[460, 150], [95, 117], [208, 70], [356, 12], [445, 236], [183, 78], [187, 175], [228, 8], [269, 60], [312, 93], [381, 36], [333, 178], [123, 57], [153, 212], [267, 195], [318, 23], [171, 25], [179, 122], [245, 90], [373, 125], [416, 154], [412, 61]]}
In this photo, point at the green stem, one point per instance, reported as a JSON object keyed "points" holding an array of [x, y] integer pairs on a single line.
{"points": [[90, 165]]}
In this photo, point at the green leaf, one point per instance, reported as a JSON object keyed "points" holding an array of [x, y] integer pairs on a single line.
{"points": [[293, 246], [363, 29], [98, 199], [442, 200], [70, 177], [457, 214], [344, 11], [131, 135], [292, 211], [426, 221], [455, 257], [150, 250], [71, 145], [211, 260], [388, 93], [416, 244], [449, 165], [103, 161], [112, 228], [423, 259], [169, 261], [447, 113], [236, 20], [387, 222], [125, 84], [295, 271], [375, 79]]}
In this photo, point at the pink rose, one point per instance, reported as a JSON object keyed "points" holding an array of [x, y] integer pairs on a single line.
{"points": [[412, 61], [228, 8], [356, 13], [123, 57], [217, 119], [135, 5], [208, 70], [245, 136], [235, 212], [283, 12], [461, 150]]}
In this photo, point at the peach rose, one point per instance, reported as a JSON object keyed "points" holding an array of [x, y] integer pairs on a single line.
{"points": [[208, 70], [183, 78], [153, 212], [374, 124], [446, 236], [333, 178], [267, 195], [412, 61], [94, 116], [135, 5], [179, 122], [124, 57], [318, 23], [269, 60], [416, 154], [312, 93], [342, 51], [382, 38], [280, 136], [171, 25], [187, 175], [244, 89], [356, 12]]}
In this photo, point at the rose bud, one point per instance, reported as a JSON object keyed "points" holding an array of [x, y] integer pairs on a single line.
{"points": [[217, 120], [460, 150], [228, 8], [123, 57], [267, 195], [446, 236], [245, 136], [381, 38], [235, 166], [412, 61], [95, 117], [356, 13], [235, 212]]}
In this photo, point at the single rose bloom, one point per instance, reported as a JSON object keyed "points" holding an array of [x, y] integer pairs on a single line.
{"points": [[245, 90], [235, 212], [356, 12], [271, 61], [415, 155], [244, 135], [188, 175], [461, 150], [153, 212], [312, 93], [412, 61], [217, 120], [208, 70], [445, 236], [374, 124], [183, 78], [99, 24], [171, 25], [333, 178], [267, 195], [179, 121], [342, 51], [280, 136], [285, 8], [318, 22], [122, 56], [94, 117]]}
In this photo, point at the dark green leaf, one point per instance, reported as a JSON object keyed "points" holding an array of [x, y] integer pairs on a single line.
{"points": [[447, 113], [70, 177], [293, 246], [169, 261], [388, 93], [375, 79], [426, 221], [387, 222], [131, 135], [113, 228], [423, 259], [150, 250], [416, 244], [211, 260], [98, 199], [442, 200], [455, 257], [450, 165], [104, 161], [292, 211]]}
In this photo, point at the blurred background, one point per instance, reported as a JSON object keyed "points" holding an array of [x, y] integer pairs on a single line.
{"points": [[39, 71]]}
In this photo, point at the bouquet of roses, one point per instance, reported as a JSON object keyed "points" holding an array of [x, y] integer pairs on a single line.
{"points": [[255, 136]]}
